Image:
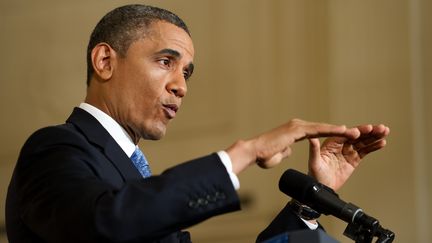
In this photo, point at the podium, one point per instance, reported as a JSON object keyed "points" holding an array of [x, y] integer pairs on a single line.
{"points": [[302, 236]]}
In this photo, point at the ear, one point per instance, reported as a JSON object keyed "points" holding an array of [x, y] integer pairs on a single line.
{"points": [[103, 60]]}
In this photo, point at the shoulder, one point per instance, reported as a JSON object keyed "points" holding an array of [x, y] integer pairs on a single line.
{"points": [[59, 134], [60, 149], [57, 141]]}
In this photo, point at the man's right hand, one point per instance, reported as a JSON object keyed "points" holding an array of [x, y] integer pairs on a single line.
{"points": [[270, 148]]}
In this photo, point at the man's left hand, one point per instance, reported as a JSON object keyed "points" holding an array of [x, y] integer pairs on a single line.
{"points": [[333, 162]]}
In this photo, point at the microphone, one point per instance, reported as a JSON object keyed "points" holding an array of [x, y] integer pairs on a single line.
{"points": [[323, 199]]}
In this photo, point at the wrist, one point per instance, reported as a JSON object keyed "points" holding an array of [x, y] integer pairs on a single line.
{"points": [[242, 155]]}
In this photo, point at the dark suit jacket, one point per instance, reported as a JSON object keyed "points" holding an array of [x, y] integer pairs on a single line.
{"points": [[73, 183]]}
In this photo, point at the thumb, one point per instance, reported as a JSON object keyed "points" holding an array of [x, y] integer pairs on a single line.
{"points": [[314, 151], [275, 159]]}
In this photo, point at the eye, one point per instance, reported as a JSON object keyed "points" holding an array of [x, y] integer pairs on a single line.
{"points": [[165, 61], [186, 75], [187, 71]]}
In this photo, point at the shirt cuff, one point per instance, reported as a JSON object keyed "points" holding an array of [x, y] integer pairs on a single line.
{"points": [[226, 161], [311, 226]]}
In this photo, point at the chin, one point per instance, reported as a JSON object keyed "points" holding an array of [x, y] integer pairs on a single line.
{"points": [[155, 134]]}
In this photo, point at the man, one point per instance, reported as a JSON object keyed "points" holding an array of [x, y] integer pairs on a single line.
{"points": [[86, 180]]}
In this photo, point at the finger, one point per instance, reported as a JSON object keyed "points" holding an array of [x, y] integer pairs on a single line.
{"points": [[314, 148], [365, 143], [369, 139], [353, 133], [378, 131], [321, 130], [314, 151], [365, 129], [371, 148], [272, 162], [275, 159], [380, 128], [351, 155], [287, 152], [316, 130]]}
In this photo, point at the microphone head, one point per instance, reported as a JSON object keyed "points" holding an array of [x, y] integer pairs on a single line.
{"points": [[297, 185]]}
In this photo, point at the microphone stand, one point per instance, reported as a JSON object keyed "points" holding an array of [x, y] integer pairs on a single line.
{"points": [[366, 228]]}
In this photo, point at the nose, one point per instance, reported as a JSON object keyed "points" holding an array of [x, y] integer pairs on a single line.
{"points": [[177, 86]]}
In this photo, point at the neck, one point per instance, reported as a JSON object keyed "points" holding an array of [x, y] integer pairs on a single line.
{"points": [[135, 137]]}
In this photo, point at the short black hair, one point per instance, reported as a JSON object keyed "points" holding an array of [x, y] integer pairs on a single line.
{"points": [[124, 25]]}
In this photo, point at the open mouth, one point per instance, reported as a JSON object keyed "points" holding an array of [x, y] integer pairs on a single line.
{"points": [[170, 110]]}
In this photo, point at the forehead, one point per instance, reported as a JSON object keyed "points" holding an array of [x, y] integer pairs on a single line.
{"points": [[162, 35]]}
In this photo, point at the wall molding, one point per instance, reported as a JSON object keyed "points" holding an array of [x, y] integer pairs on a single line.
{"points": [[418, 122]]}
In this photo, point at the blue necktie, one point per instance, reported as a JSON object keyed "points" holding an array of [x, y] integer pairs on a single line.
{"points": [[141, 163]]}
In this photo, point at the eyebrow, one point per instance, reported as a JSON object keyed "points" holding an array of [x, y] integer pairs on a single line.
{"points": [[169, 51]]}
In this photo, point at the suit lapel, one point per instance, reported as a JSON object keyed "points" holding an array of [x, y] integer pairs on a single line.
{"points": [[97, 135]]}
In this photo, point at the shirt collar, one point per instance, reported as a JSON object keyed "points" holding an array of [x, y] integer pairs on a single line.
{"points": [[114, 129]]}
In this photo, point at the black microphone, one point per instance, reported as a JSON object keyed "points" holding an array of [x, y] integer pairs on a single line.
{"points": [[323, 199]]}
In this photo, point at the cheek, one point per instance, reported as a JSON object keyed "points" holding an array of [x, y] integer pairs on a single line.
{"points": [[146, 86], [147, 100], [153, 88]]}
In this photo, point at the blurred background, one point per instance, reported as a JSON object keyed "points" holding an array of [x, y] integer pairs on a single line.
{"points": [[259, 63]]}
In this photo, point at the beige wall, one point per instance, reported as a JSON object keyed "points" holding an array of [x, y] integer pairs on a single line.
{"points": [[259, 63]]}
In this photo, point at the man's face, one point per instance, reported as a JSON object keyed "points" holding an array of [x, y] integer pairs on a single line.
{"points": [[150, 81]]}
